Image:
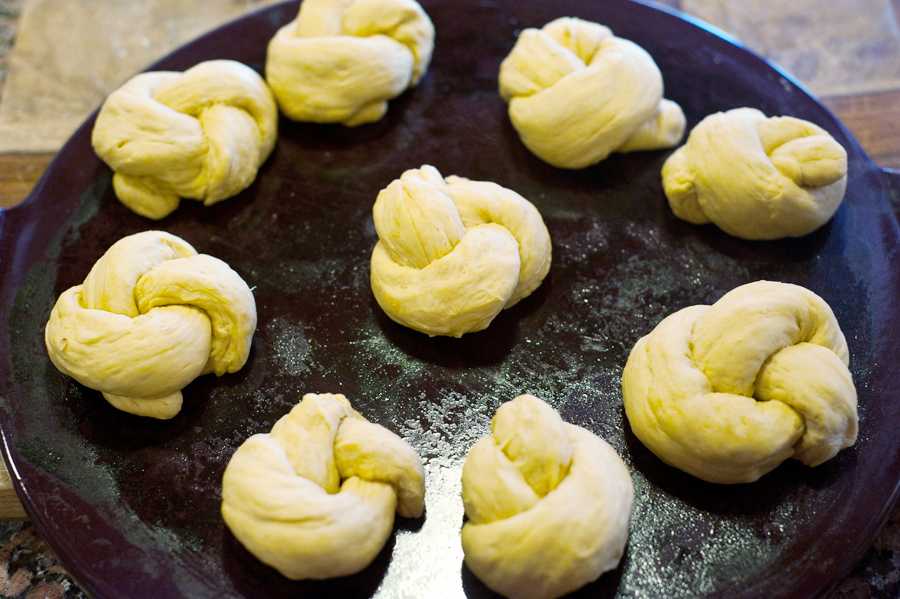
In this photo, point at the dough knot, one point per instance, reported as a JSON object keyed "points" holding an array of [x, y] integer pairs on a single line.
{"points": [[340, 61], [577, 93], [729, 391], [315, 498], [151, 316], [756, 177], [548, 504], [201, 134], [452, 253]]}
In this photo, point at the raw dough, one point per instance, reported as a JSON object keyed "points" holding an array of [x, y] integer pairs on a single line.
{"points": [[577, 93], [548, 504], [756, 177], [452, 253], [151, 316], [201, 134], [316, 497], [729, 391], [340, 61]]}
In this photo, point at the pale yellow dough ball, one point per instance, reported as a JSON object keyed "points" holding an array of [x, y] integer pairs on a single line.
{"points": [[340, 61], [548, 504], [151, 316], [452, 253], [727, 392], [315, 498], [578, 93], [757, 177], [201, 134]]}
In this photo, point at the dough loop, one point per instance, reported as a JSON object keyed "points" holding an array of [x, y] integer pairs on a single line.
{"points": [[756, 177], [340, 61], [548, 504], [316, 497], [151, 316], [201, 134], [727, 392], [452, 253], [577, 93]]}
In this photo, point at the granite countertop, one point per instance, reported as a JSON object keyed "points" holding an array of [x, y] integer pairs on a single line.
{"points": [[9, 19], [29, 570]]}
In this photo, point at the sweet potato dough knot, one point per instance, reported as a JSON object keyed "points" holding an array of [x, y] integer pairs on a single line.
{"points": [[577, 93], [452, 253], [151, 316], [201, 134], [756, 177], [727, 392], [548, 503], [340, 61], [315, 498]]}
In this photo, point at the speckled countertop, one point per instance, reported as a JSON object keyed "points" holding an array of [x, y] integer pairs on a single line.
{"points": [[9, 17], [29, 570]]}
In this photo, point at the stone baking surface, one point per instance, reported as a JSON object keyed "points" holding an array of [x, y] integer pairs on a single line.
{"points": [[41, 107]]}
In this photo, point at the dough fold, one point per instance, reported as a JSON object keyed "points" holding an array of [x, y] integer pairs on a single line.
{"points": [[201, 134], [151, 316], [756, 177], [727, 392], [548, 504], [452, 253], [577, 93], [315, 498], [340, 61]]}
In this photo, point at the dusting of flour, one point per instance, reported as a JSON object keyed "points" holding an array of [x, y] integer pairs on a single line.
{"points": [[442, 435]]}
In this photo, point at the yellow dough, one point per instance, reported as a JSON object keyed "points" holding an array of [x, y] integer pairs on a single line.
{"points": [[756, 177], [452, 253], [316, 497], [727, 392], [151, 316], [548, 504], [201, 134], [577, 93], [340, 61]]}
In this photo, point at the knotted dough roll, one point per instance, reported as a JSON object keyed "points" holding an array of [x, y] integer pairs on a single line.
{"points": [[548, 504], [316, 497], [452, 253], [201, 134], [340, 61], [727, 392], [577, 93], [151, 316], [756, 177]]}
